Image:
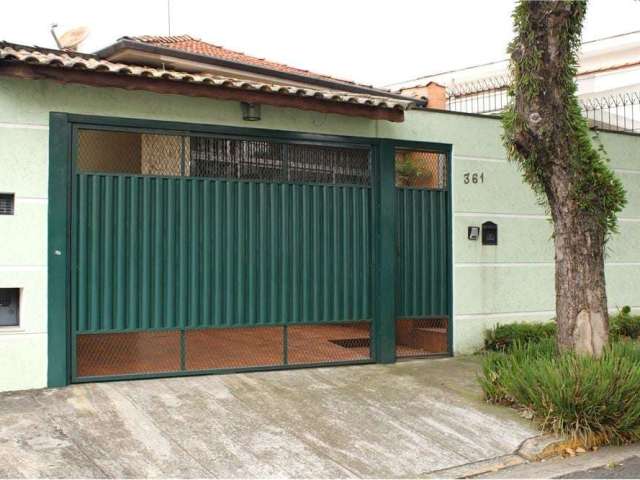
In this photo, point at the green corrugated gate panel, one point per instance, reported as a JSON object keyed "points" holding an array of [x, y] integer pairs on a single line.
{"points": [[422, 273], [162, 253]]}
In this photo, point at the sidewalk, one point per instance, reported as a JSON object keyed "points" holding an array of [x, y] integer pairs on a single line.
{"points": [[409, 419]]}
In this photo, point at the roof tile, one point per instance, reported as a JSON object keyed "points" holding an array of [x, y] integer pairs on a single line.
{"points": [[190, 44], [70, 60]]}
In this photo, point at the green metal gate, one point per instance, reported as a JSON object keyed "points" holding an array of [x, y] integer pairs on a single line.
{"points": [[195, 253], [423, 253], [179, 249]]}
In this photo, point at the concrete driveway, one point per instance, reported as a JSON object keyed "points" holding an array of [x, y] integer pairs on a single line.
{"points": [[404, 420]]}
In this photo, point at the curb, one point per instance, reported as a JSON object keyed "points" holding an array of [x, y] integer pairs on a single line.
{"points": [[533, 449], [478, 468], [542, 447]]}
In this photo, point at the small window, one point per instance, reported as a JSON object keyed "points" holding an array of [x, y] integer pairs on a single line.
{"points": [[9, 307], [421, 169], [7, 203]]}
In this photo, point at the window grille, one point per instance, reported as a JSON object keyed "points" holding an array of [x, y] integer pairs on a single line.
{"points": [[7, 202], [266, 160], [218, 157]]}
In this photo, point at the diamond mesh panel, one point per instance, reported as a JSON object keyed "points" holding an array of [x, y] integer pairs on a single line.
{"points": [[328, 343], [419, 337], [102, 151], [210, 349], [421, 169], [127, 353]]}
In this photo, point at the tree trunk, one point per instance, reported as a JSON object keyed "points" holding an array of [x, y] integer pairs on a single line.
{"points": [[546, 134], [581, 297]]}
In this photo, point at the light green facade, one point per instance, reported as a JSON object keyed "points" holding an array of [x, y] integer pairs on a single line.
{"points": [[508, 282]]}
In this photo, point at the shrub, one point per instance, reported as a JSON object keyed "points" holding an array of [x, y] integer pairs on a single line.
{"points": [[624, 324], [502, 337], [592, 401]]}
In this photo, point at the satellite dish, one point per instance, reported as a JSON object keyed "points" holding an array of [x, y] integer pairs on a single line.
{"points": [[71, 39]]}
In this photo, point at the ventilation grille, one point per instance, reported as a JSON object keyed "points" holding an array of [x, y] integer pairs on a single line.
{"points": [[7, 202]]}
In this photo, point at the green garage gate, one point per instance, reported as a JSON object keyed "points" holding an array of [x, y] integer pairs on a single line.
{"points": [[197, 249]]}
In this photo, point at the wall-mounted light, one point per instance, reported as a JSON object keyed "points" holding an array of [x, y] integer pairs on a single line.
{"points": [[473, 233], [250, 112]]}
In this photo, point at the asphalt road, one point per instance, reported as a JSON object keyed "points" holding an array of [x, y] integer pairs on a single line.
{"points": [[628, 468]]}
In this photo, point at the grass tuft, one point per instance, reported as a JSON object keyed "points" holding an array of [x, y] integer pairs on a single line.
{"points": [[502, 337], [591, 401]]}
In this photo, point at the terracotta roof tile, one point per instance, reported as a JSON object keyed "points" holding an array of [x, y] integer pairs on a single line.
{"points": [[190, 44], [72, 60]]}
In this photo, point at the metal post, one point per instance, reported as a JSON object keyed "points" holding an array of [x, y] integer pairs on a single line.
{"points": [[384, 317], [183, 352]]}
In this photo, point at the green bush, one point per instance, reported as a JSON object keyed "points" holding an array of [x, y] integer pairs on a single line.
{"points": [[624, 324], [592, 401], [502, 337]]}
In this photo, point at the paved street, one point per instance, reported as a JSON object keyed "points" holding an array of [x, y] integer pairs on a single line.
{"points": [[627, 468]]}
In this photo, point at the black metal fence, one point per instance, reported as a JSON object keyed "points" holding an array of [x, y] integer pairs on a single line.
{"points": [[619, 112], [486, 96]]}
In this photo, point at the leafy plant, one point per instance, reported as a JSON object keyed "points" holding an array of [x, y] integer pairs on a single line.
{"points": [[624, 324], [502, 337], [591, 400]]}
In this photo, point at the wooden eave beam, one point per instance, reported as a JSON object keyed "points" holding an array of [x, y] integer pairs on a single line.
{"points": [[173, 87]]}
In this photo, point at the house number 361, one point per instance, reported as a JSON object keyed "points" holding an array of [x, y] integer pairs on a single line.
{"points": [[473, 177]]}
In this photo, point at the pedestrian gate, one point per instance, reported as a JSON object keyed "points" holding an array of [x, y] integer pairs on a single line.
{"points": [[194, 252]]}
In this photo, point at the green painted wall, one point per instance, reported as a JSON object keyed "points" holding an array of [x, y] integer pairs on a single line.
{"points": [[513, 281]]}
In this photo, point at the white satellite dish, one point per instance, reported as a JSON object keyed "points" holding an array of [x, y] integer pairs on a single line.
{"points": [[71, 39]]}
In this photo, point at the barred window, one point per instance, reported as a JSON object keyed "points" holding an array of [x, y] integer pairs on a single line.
{"points": [[231, 158], [215, 157], [287, 162]]}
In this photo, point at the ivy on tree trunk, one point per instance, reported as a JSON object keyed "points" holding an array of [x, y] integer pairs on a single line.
{"points": [[546, 134]]}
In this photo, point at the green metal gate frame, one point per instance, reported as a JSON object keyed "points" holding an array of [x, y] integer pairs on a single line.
{"points": [[61, 145]]}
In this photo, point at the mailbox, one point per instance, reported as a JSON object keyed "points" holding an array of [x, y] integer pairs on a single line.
{"points": [[489, 233]]}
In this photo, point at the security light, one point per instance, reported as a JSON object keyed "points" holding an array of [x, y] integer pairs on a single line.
{"points": [[251, 112]]}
